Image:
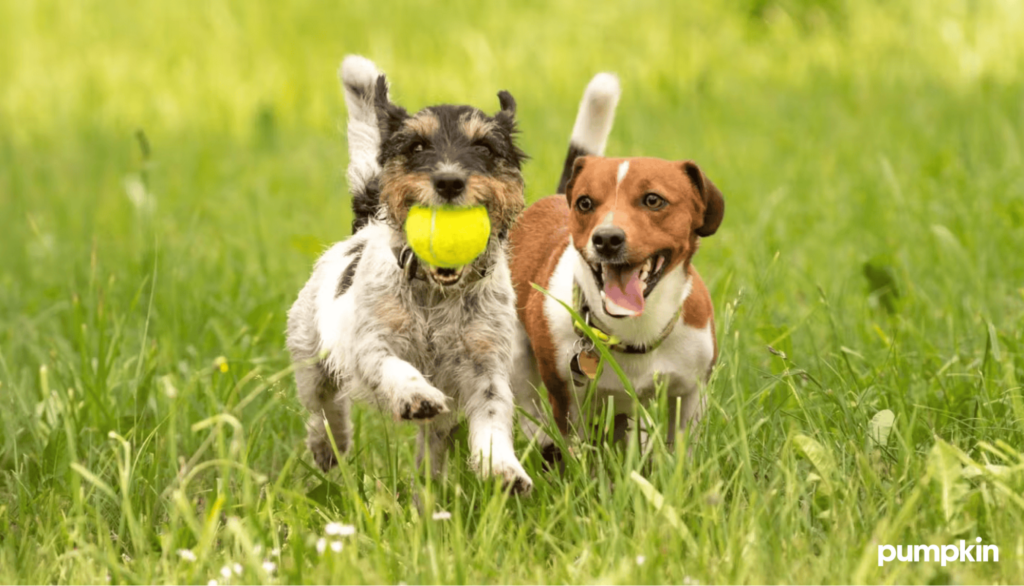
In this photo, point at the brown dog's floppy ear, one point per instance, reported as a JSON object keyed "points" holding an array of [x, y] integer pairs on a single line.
{"points": [[714, 203], [577, 168]]}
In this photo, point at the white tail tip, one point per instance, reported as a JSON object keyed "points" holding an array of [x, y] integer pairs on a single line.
{"points": [[596, 113], [358, 71]]}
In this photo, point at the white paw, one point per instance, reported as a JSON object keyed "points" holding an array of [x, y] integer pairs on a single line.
{"points": [[420, 402], [508, 469]]}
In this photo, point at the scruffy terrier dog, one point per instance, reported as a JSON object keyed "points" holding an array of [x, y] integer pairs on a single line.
{"points": [[375, 323]]}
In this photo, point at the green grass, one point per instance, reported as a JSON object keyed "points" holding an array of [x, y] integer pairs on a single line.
{"points": [[870, 154]]}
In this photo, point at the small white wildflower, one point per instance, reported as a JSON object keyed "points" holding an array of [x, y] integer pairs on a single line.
{"points": [[339, 529], [187, 555], [276, 552], [640, 560], [336, 546], [269, 567], [321, 546], [225, 572], [442, 516], [211, 583], [237, 568]]}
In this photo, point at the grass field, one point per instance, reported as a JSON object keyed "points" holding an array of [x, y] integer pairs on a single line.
{"points": [[169, 172]]}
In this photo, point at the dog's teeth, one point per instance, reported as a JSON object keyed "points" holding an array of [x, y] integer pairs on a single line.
{"points": [[648, 264], [661, 261]]}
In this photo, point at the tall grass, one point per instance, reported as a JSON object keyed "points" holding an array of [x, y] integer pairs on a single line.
{"points": [[169, 172]]}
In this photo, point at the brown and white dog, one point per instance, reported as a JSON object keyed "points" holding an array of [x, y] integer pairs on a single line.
{"points": [[618, 246]]}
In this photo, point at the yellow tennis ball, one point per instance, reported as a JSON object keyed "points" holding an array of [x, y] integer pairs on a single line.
{"points": [[448, 236]]}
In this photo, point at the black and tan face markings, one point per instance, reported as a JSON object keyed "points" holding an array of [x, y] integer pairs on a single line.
{"points": [[455, 138], [449, 154]]}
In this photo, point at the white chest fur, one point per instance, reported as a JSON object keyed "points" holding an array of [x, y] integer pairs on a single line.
{"points": [[682, 360]]}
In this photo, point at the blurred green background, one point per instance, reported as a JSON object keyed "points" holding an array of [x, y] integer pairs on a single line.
{"points": [[169, 171]]}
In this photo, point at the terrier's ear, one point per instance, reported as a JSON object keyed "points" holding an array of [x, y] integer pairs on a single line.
{"points": [[577, 168], [389, 116], [508, 103], [714, 203], [506, 117]]}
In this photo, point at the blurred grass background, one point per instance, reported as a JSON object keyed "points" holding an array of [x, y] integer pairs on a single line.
{"points": [[169, 172]]}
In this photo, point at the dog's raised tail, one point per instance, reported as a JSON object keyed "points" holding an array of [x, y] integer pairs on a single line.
{"points": [[593, 122], [359, 80]]}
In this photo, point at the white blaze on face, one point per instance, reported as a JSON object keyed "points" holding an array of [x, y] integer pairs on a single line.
{"points": [[619, 176]]}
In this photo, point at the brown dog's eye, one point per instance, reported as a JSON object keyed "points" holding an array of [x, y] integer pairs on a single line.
{"points": [[584, 204], [653, 201], [417, 147]]}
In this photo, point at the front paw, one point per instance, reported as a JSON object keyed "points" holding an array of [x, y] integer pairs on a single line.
{"points": [[323, 453], [421, 403], [513, 478]]}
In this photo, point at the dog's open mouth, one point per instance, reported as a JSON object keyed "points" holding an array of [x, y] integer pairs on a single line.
{"points": [[446, 277], [624, 287]]}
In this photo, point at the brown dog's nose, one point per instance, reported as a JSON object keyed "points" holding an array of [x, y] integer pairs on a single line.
{"points": [[448, 185], [608, 240]]}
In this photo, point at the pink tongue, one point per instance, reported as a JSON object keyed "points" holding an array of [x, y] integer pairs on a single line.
{"points": [[622, 288]]}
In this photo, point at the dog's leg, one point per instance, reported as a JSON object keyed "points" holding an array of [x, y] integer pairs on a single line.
{"points": [[435, 439], [489, 411], [330, 415], [399, 387], [684, 411]]}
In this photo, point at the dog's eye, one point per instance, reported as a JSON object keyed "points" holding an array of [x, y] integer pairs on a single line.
{"points": [[653, 201], [584, 204], [417, 147], [484, 148]]}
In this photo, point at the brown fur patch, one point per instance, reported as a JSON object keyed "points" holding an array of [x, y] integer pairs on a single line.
{"points": [[537, 241], [478, 343], [503, 196], [475, 127], [391, 312], [697, 309], [424, 123], [699, 312], [400, 190]]}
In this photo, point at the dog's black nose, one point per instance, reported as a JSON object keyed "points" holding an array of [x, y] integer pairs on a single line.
{"points": [[448, 185], [608, 240]]}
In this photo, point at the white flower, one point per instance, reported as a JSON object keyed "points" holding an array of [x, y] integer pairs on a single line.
{"points": [[225, 572], [269, 567], [321, 546], [336, 546], [237, 568], [187, 555], [442, 516], [339, 529], [211, 583], [640, 560], [276, 552]]}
